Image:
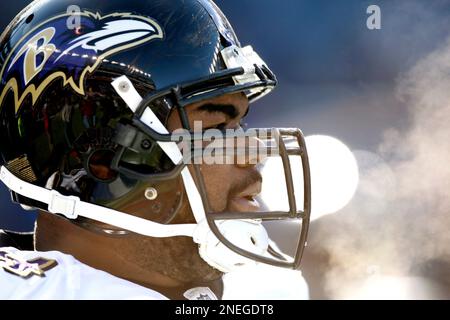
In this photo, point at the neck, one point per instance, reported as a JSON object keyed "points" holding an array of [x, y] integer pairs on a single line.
{"points": [[94, 250], [100, 252]]}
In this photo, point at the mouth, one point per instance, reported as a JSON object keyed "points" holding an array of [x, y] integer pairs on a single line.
{"points": [[246, 201]]}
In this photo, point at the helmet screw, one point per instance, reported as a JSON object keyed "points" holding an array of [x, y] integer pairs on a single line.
{"points": [[151, 193], [145, 144], [124, 86], [156, 207]]}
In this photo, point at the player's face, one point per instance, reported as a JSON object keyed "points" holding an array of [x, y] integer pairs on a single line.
{"points": [[229, 187]]}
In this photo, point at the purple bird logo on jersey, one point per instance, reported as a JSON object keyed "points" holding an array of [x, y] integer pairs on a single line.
{"points": [[15, 264], [75, 52]]}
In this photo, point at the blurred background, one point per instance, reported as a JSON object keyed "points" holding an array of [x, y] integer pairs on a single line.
{"points": [[385, 93]]}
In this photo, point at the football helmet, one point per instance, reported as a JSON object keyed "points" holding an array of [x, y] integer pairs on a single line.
{"points": [[89, 84]]}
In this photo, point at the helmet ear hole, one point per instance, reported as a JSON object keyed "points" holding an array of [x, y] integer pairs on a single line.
{"points": [[29, 18], [99, 165]]}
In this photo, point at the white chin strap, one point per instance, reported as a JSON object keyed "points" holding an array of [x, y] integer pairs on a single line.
{"points": [[72, 207], [246, 234]]}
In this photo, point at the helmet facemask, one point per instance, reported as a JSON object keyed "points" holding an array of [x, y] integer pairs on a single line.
{"points": [[226, 239]]}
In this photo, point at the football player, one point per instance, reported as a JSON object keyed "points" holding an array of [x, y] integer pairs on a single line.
{"points": [[91, 95]]}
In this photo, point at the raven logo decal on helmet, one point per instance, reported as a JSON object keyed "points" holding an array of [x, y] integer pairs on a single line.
{"points": [[27, 67]]}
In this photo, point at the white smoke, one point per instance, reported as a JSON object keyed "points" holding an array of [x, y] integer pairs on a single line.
{"points": [[399, 219]]}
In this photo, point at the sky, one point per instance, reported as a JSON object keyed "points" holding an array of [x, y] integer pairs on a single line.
{"points": [[366, 88]]}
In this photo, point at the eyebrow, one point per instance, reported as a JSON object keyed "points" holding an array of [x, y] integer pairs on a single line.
{"points": [[228, 109]]}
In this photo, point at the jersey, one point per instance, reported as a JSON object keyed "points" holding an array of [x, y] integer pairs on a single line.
{"points": [[54, 275], [265, 282]]}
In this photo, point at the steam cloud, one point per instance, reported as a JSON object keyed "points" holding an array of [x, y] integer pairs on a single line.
{"points": [[399, 221]]}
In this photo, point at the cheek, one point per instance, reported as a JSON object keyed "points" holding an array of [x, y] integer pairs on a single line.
{"points": [[218, 180]]}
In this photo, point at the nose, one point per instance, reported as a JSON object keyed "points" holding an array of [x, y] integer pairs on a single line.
{"points": [[249, 151]]}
